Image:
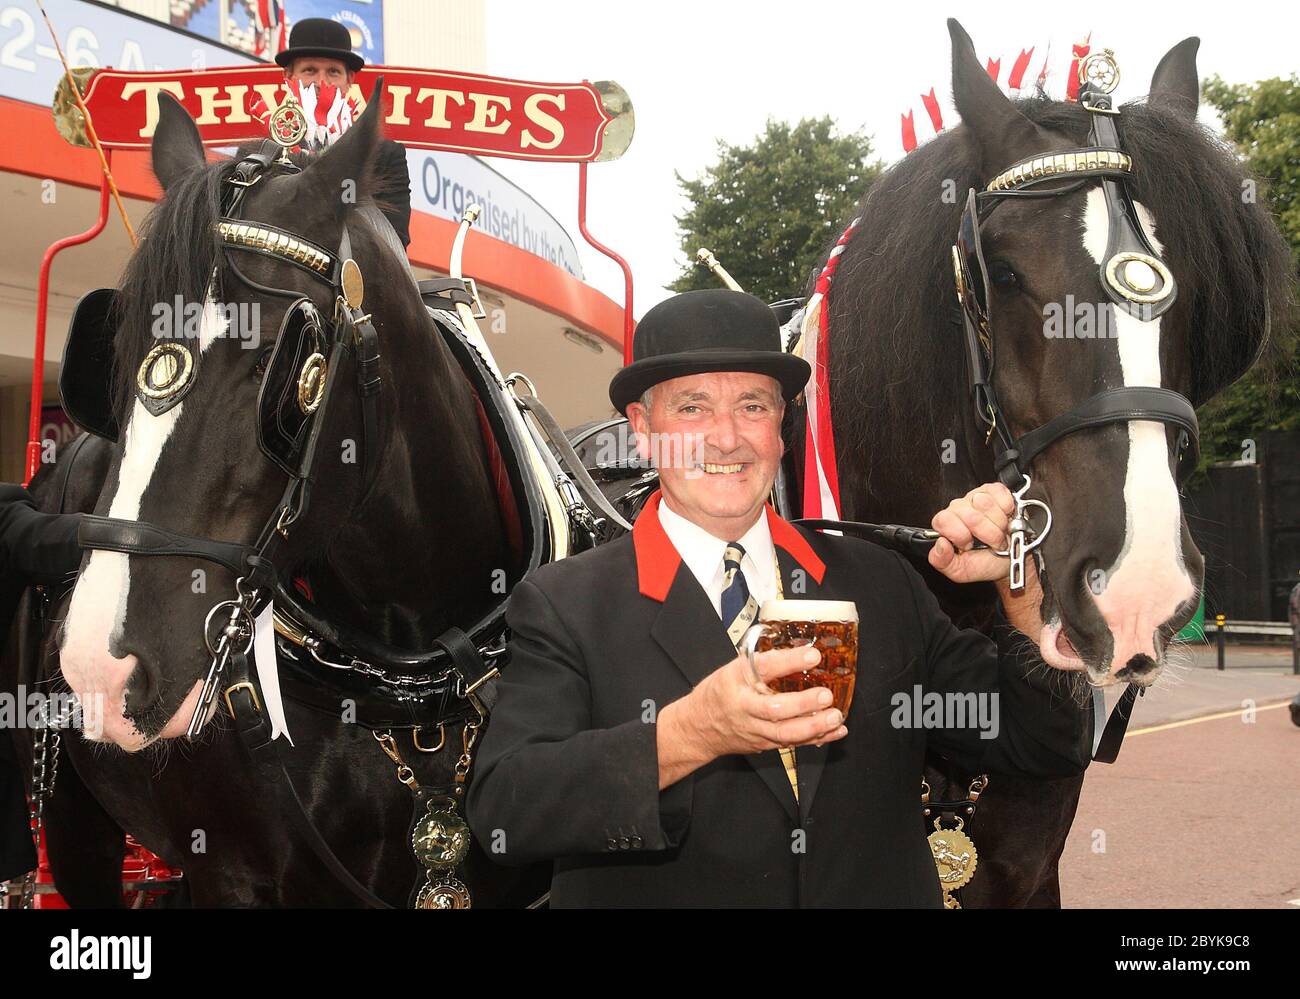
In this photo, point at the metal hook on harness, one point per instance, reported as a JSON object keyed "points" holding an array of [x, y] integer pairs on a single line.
{"points": [[1020, 530]]}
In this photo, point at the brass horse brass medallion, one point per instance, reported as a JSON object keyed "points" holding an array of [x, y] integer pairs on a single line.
{"points": [[441, 839], [288, 124], [165, 370], [1100, 70], [311, 384], [354, 287], [445, 893], [955, 858]]}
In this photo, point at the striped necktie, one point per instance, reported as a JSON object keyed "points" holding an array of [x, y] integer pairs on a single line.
{"points": [[739, 608]]}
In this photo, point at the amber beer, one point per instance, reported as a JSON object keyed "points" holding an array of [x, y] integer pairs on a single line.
{"points": [[830, 625]]}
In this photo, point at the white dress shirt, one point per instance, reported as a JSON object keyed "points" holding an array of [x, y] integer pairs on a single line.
{"points": [[702, 553]]}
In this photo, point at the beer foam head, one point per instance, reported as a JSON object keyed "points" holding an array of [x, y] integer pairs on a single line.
{"points": [[808, 610]]}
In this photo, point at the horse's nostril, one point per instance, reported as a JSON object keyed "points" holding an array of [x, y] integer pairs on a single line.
{"points": [[1139, 666], [143, 689]]}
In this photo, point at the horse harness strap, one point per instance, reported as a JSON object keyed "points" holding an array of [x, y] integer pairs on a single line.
{"points": [[1132, 276], [1111, 406]]}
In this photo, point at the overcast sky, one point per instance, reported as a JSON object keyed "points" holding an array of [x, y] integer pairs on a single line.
{"points": [[707, 70]]}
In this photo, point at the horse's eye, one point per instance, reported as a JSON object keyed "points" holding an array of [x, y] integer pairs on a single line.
{"points": [[1002, 276], [263, 359]]}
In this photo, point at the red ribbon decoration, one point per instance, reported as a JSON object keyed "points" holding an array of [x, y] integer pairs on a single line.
{"points": [[1072, 84], [932, 107], [1017, 77], [909, 132]]}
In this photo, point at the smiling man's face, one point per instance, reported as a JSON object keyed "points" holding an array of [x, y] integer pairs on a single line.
{"points": [[716, 440]]}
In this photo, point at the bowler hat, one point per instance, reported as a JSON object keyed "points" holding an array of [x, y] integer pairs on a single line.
{"points": [[712, 330], [320, 36]]}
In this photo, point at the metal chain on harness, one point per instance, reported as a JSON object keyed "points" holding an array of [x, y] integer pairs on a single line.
{"points": [[45, 773], [239, 628]]}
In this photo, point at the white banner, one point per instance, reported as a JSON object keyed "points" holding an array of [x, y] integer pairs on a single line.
{"points": [[443, 184]]}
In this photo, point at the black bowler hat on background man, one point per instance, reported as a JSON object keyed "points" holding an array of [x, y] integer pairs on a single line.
{"points": [[712, 330], [319, 36]]}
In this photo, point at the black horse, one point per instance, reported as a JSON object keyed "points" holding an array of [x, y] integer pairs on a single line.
{"points": [[907, 435], [418, 547]]}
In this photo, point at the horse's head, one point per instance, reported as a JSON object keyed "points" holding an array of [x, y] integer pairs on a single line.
{"points": [[198, 326], [1122, 572]]}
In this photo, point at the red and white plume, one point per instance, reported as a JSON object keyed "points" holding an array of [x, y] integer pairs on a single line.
{"points": [[329, 111], [821, 477], [1015, 81]]}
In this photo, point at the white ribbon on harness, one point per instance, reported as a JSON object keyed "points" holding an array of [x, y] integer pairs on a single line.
{"points": [[268, 672]]}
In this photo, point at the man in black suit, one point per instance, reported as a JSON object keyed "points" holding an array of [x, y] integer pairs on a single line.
{"points": [[631, 744], [320, 52]]}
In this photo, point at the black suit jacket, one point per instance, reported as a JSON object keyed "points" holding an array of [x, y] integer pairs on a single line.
{"points": [[568, 768]]}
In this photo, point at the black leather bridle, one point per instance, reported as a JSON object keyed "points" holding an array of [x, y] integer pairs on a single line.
{"points": [[1132, 275], [443, 684], [350, 331]]}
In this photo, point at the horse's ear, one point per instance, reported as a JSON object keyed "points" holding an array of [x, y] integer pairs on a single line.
{"points": [[177, 148], [999, 129], [1174, 84], [343, 172]]}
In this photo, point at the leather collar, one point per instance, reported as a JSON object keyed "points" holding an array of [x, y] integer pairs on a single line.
{"points": [[657, 561]]}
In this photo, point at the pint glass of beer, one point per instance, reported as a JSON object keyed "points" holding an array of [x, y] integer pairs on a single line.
{"points": [[830, 625]]}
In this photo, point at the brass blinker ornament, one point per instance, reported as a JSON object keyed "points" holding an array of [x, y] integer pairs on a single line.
{"points": [[165, 370], [311, 384]]}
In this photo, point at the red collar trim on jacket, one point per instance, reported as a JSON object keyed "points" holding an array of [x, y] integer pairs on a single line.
{"points": [[657, 560]]}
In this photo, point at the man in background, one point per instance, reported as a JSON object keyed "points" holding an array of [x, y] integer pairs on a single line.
{"points": [[320, 53]]}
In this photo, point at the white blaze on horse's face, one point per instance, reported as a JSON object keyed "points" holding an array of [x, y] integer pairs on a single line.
{"points": [[97, 613], [1149, 580]]}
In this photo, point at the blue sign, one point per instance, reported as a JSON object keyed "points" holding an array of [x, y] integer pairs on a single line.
{"points": [[364, 20]]}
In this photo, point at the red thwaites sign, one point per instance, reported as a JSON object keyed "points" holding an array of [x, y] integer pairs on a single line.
{"points": [[424, 109]]}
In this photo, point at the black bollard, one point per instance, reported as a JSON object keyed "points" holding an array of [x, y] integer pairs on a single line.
{"points": [[1220, 625]]}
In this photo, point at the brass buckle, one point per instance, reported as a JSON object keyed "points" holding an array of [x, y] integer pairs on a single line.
{"points": [[251, 689]]}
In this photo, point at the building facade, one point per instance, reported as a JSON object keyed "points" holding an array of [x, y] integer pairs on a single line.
{"points": [[543, 319]]}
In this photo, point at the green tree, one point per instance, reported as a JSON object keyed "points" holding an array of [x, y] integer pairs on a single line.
{"points": [[1263, 122], [767, 210]]}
